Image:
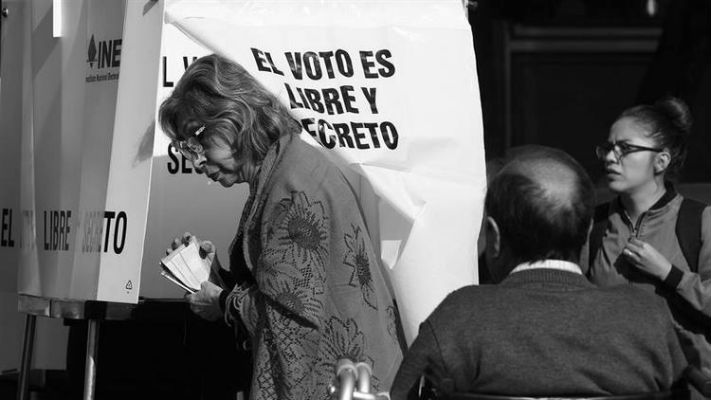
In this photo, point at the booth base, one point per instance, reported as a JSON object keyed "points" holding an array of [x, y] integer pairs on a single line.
{"points": [[43, 384], [153, 349]]}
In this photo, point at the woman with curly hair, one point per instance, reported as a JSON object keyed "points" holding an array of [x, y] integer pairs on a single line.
{"points": [[309, 285]]}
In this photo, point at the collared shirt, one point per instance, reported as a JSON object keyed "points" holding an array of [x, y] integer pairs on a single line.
{"points": [[551, 264]]}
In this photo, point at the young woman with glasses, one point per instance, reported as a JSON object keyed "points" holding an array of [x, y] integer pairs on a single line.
{"points": [[639, 244], [310, 289]]}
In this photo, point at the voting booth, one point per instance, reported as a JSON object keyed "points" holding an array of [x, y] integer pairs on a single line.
{"points": [[387, 89]]}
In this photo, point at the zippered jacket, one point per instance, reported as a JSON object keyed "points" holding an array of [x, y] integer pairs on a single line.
{"points": [[686, 290]]}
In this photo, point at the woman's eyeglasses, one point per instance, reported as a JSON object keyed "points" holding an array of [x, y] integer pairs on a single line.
{"points": [[621, 149], [191, 148]]}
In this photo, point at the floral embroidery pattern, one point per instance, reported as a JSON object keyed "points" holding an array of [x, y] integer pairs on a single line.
{"points": [[301, 232], [295, 358], [265, 376], [284, 358], [300, 300], [343, 339], [302, 312], [356, 257], [269, 269]]}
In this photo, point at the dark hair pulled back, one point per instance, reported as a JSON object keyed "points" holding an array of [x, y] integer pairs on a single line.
{"points": [[669, 122]]}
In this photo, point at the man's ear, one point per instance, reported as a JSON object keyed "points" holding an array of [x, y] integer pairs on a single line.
{"points": [[493, 237], [661, 162]]}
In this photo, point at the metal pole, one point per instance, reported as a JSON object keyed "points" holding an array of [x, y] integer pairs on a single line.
{"points": [[346, 374], [92, 346], [24, 379], [364, 372]]}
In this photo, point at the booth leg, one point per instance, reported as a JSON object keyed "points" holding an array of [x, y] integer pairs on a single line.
{"points": [[23, 384], [92, 347]]}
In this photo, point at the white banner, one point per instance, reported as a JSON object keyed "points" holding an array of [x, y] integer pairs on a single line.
{"points": [[389, 89]]}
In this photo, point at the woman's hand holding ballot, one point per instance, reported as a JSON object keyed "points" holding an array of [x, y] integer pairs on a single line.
{"points": [[204, 302]]}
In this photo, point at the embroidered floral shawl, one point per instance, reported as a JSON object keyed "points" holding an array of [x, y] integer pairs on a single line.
{"points": [[320, 294]]}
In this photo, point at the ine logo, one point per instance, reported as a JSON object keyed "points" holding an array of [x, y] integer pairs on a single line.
{"points": [[92, 52], [105, 53]]}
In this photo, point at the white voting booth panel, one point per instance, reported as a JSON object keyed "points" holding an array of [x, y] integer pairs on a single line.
{"points": [[88, 159], [12, 107], [15, 34], [65, 160], [387, 89], [22, 23]]}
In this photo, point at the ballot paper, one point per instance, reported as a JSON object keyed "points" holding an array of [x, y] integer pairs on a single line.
{"points": [[184, 267], [169, 276]]}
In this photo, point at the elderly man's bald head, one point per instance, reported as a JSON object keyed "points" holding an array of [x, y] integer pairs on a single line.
{"points": [[556, 180], [542, 201]]}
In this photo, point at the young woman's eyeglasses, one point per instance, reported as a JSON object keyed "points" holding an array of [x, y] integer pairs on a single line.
{"points": [[621, 149], [191, 148]]}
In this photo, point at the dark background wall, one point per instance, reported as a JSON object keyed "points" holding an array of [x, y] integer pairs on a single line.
{"points": [[558, 72]]}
